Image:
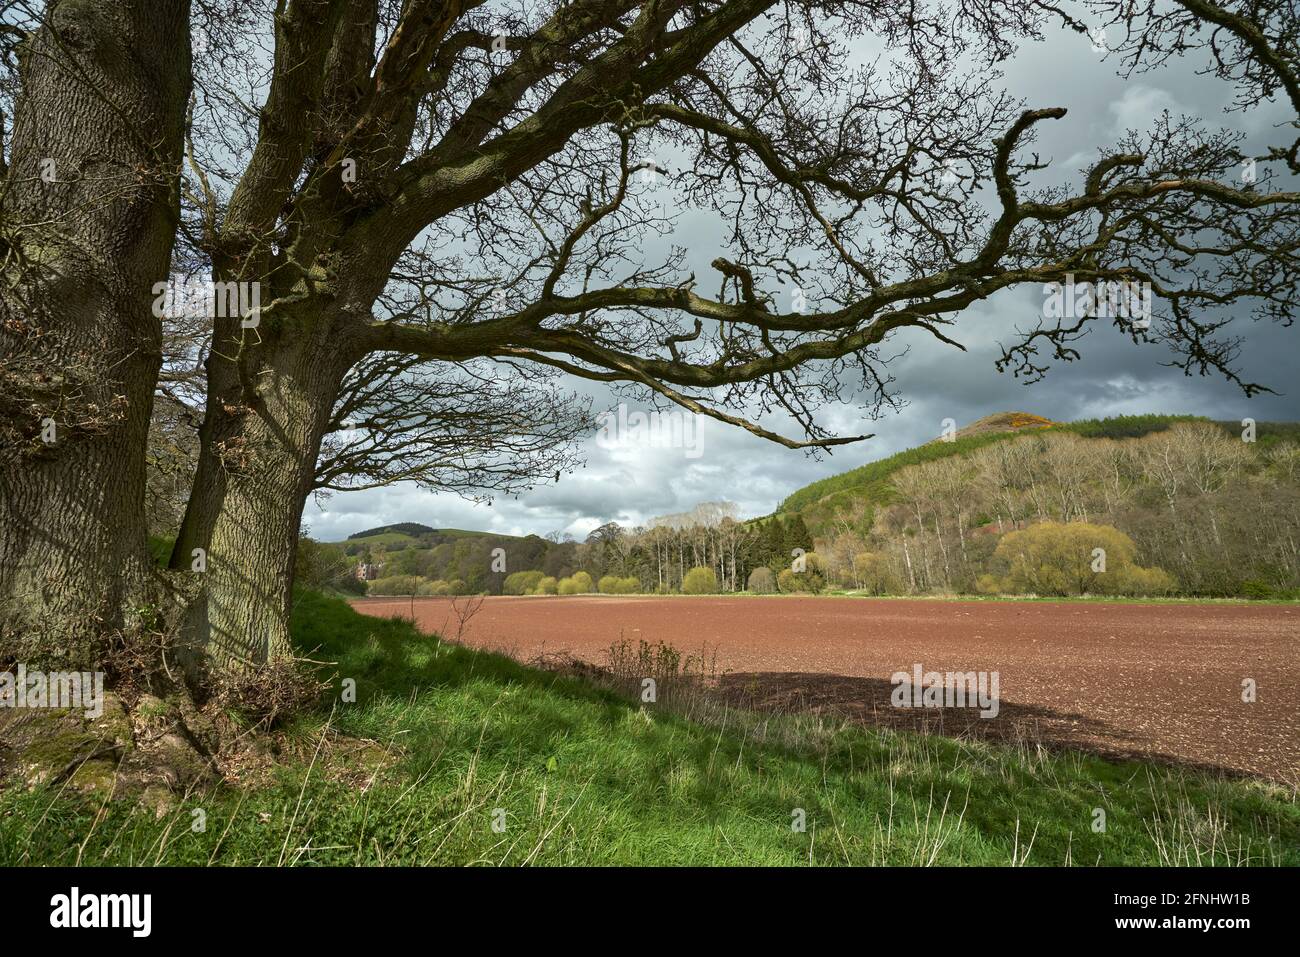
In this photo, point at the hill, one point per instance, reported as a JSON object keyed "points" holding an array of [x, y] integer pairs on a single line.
{"points": [[410, 529], [1166, 491], [406, 555], [820, 501], [1003, 422], [413, 532]]}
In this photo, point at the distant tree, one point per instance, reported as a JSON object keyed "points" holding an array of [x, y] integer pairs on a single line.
{"points": [[603, 549], [774, 536], [761, 581], [1074, 558], [579, 583], [609, 532], [796, 535], [875, 574], [520, 583], [700, 581], [812, 579]]}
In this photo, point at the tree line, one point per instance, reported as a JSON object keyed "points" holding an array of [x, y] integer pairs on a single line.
{"points": [[654, 559]]}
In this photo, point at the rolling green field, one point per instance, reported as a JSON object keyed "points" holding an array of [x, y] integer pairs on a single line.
{"points": [[444, 742]]}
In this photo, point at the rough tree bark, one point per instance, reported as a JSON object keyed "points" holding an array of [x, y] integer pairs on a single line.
{"points": [[88, 215], [260, 438]]}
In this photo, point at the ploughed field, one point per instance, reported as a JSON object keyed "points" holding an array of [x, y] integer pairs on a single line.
{"points": [[1162, 681]]}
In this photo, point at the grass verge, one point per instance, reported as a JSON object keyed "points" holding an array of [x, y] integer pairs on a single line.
{"points": [[490, 762]]}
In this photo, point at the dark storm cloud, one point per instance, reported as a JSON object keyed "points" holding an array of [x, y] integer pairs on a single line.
{"points": [[1115, 376]]}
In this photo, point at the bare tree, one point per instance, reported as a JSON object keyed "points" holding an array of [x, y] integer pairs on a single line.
{"points": [[457, 181], [474, 428]]}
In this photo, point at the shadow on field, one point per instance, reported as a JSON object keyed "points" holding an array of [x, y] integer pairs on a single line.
{"points": [[693, 684], [867, 701]]}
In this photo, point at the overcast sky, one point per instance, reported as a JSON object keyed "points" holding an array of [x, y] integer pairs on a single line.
{"points": [[631, 482]]}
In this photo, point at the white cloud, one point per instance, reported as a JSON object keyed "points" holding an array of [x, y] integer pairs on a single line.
{"points": [[1139, 106]]}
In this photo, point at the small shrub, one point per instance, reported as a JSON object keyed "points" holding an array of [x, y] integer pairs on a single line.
{"points": [[761, 581], [811, 580], [579, 583], [1146, 581], [679, 679], [614, 585], [519, 583], [1256, 590], [700, 581], [396, 585], [547, 586]]}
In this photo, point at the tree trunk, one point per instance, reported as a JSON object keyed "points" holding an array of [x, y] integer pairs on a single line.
{"points": [[257, 465], [90, 208]]}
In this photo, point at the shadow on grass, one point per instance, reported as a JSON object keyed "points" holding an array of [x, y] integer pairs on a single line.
{"points": [[389, 656]]}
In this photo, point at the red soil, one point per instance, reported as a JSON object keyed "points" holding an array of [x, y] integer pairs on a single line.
{"points": [[1160, 681]]}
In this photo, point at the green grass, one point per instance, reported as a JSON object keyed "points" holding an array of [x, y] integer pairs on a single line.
{"points": [[585, 777], [160, 548]]}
